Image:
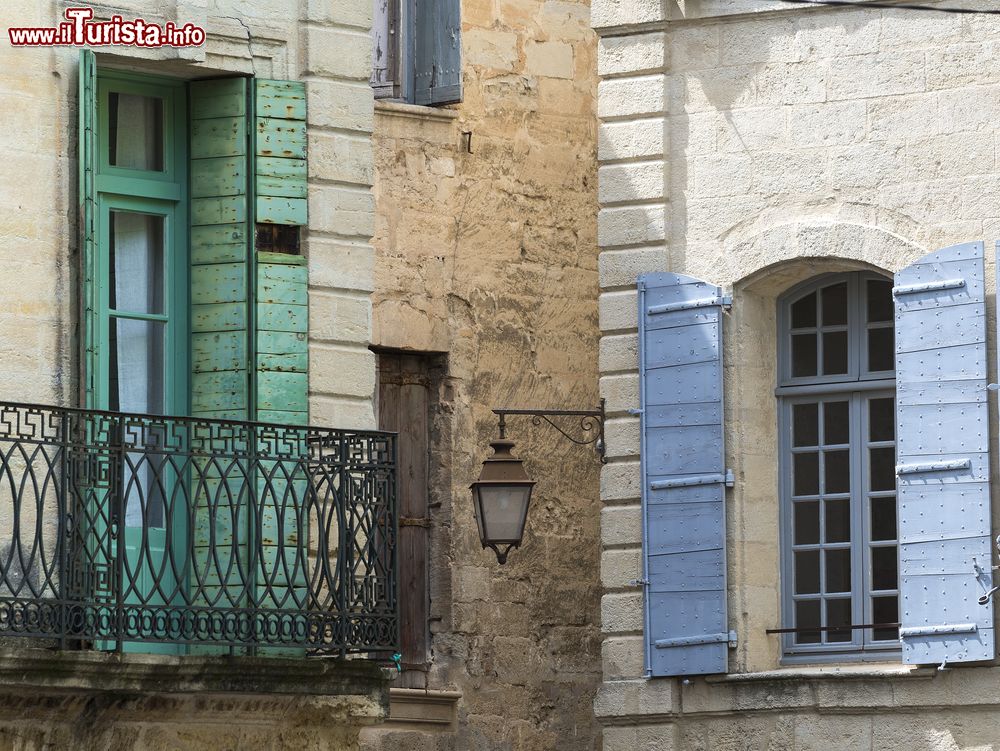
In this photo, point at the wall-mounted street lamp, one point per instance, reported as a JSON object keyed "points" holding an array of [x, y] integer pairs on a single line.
{"points": [[502, 494]]}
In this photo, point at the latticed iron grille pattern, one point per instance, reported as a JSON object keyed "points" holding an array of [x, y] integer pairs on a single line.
{"points": [[120, 529]]}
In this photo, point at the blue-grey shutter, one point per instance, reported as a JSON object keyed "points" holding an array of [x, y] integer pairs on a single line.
{"points": [[683, 475], [942, 457], [437, 53]]}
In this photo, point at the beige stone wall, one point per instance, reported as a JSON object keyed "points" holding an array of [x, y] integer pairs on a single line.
{"points": [[323, 43], [754, 146], [486, 251]]}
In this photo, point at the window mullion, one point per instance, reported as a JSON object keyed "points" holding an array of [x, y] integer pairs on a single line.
{"points": [[860, 575]]}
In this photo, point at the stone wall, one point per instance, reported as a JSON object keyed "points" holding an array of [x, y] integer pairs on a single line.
{"points": [[754, 146], [485, 250]]}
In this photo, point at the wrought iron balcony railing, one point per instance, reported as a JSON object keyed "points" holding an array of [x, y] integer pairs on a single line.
{"points": [[122, 530]]}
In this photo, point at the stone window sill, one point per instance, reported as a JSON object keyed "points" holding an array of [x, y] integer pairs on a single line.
{"points": [[822, 672], [393, 108]]}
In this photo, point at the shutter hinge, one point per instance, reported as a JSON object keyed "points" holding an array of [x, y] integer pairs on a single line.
{"points": [[912, 289], [950, 628], [993, 386], [941, 466], [636, 411], [727, 302], [728, 479], [639, 582], [690, 641]]}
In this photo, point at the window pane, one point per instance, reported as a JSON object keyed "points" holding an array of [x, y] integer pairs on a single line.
{"points": [[881, 349], [837, 472], [881, 419], [136, 262], [838, 613], [805, 424], [806, 572], [835, 353], [807, 615], [835, 305], [135, 132], [806, 472], [883, 468], [879, 300], [836, 423], [135, 372], [883, 518], [838, 570], [804, 312], [803, 355], [838, 520], [885, 610], [806, 523], [884, 568]]}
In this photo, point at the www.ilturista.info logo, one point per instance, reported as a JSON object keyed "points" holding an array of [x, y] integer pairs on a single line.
{"points": [[80, 30]]}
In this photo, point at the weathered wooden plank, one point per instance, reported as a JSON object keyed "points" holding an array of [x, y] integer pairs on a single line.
{"points": [[219, 414], [219, 381], [282, 284], [277, 317], [281, 177], [284, 99], [280, 210], [218, 283], [281, 138], [218, 243], [281, 259], [219, 98], [218, 317], [218, 176], [230, 402], [283, 391], [224, 210], [282, 417], [220, 136], [291, 362], [218, 350]]}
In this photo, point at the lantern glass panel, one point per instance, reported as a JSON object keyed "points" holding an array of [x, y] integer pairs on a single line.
{"points": [[502, 511]]}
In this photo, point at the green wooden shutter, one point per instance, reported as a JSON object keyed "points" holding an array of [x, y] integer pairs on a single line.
{"points": [[87, 145], [282, 283], [220, 235], [281, 346]]}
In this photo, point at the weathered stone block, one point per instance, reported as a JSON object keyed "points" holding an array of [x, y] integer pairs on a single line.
{"points": [[629, 140], [630, 54], [630, 225], [643, 95]]}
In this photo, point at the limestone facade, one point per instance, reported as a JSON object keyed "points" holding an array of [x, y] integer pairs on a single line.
{"points": [[753, 145], [485, 255]]}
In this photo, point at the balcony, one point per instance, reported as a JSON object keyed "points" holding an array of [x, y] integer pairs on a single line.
{"points": [[134, 533]]}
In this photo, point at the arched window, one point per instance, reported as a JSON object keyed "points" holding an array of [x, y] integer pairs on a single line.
{"points": [[838, 486]]}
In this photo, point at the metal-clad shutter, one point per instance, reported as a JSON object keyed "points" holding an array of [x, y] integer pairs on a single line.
{"points": [[437, 68], [683, 475], [942, 458]]}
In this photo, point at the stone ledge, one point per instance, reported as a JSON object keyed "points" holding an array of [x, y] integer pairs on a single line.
{"points": [[413, 111], [424, 707], [91, 672], [851, 672]]}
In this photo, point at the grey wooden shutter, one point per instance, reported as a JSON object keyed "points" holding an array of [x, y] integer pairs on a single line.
{"points": [[942, 461], [437, 66], [683, 475]]}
